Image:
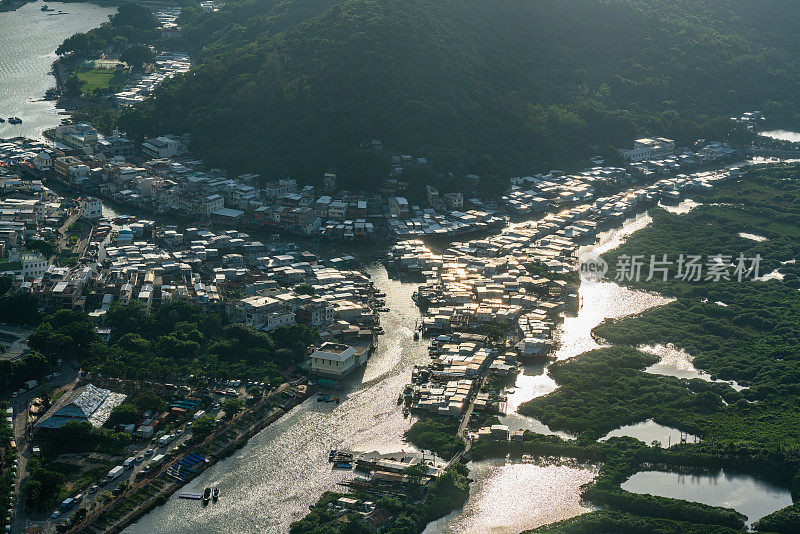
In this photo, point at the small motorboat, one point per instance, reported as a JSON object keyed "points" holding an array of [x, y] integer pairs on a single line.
{"points": [[14, 120], [406, 412], [400, 399], [206, 495], [215, 494], [342, 465]]}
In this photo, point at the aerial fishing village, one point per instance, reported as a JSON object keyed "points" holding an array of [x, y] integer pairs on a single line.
{"points": [[234, 248]]}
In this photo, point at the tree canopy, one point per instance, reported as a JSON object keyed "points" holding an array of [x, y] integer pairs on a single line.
{"points": [[293, 88]]}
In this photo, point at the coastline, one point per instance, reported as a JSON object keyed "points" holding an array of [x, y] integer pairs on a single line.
{"points": [[16, 4], [260, 416]]}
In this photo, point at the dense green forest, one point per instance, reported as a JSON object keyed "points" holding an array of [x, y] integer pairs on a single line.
{"points": [[173, 342], [291, 88], [744, 331]]}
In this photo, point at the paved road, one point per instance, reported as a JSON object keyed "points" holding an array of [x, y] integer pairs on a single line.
{"points": [[20, 405]]}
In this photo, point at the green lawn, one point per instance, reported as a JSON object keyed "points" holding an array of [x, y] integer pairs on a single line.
{"points": [[94, 78]]}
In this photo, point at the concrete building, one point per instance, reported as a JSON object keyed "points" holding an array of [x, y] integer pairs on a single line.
{"points": [[61, 165], [334, 360], [398, 207], [162, 147], [649, 149], [91, 208]]}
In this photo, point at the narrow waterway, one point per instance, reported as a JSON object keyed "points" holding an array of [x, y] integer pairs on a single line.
{"points": [[511, 497], [284, 469], [599, 300], [28, 40]]}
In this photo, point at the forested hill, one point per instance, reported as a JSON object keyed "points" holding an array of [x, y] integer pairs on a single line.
{"points": [[291, 87]]}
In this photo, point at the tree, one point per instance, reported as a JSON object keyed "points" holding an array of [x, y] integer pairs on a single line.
{"points": [[304, 289], [204, 426], [124, 414], [134, 15], [46, 248], [137, 56], [148, 400], [72, 87], [77, 44], [231, 407]]}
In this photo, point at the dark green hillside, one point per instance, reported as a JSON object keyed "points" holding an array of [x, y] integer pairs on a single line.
{"points": [[291, 87]]}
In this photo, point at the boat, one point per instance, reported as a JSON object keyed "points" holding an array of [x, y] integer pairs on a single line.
{"points": [[2, 120], [45, 8], [406, 411], [206, 495], [14, 120], [339, 457], [215, 494], [400, 399], [416, 335], [342, 465]]}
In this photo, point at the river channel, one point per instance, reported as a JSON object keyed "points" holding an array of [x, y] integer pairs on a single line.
{"points": [[272, 481], [284, 469]]}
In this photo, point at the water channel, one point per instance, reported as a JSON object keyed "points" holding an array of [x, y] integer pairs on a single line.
{"points": [[284, 469]]}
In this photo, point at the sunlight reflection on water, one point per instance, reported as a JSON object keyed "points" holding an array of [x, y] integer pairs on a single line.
{"points": [[508, 498]]}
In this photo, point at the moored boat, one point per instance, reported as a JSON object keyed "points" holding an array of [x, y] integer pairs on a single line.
{"points": [[206, 495], [215, 494]]}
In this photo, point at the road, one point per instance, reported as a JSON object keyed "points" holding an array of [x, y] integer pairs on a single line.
{"points": [[20, 405]]}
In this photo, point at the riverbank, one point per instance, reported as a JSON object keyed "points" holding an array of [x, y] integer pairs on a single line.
{"points": [[283, 470], [225, 440]]}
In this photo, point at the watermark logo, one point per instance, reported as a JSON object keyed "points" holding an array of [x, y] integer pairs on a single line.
{"points": [[686, 267], [592, 266]]}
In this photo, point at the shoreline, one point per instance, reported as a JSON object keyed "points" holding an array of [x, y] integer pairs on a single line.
{"points": [[6, 7], [162, 494]]}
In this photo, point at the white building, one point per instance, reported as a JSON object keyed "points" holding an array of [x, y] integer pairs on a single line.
{"points": [[162, 147], [649, 149], [43, 161], [91, 208], [79, 173], [334, 360], [33, 264]]}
